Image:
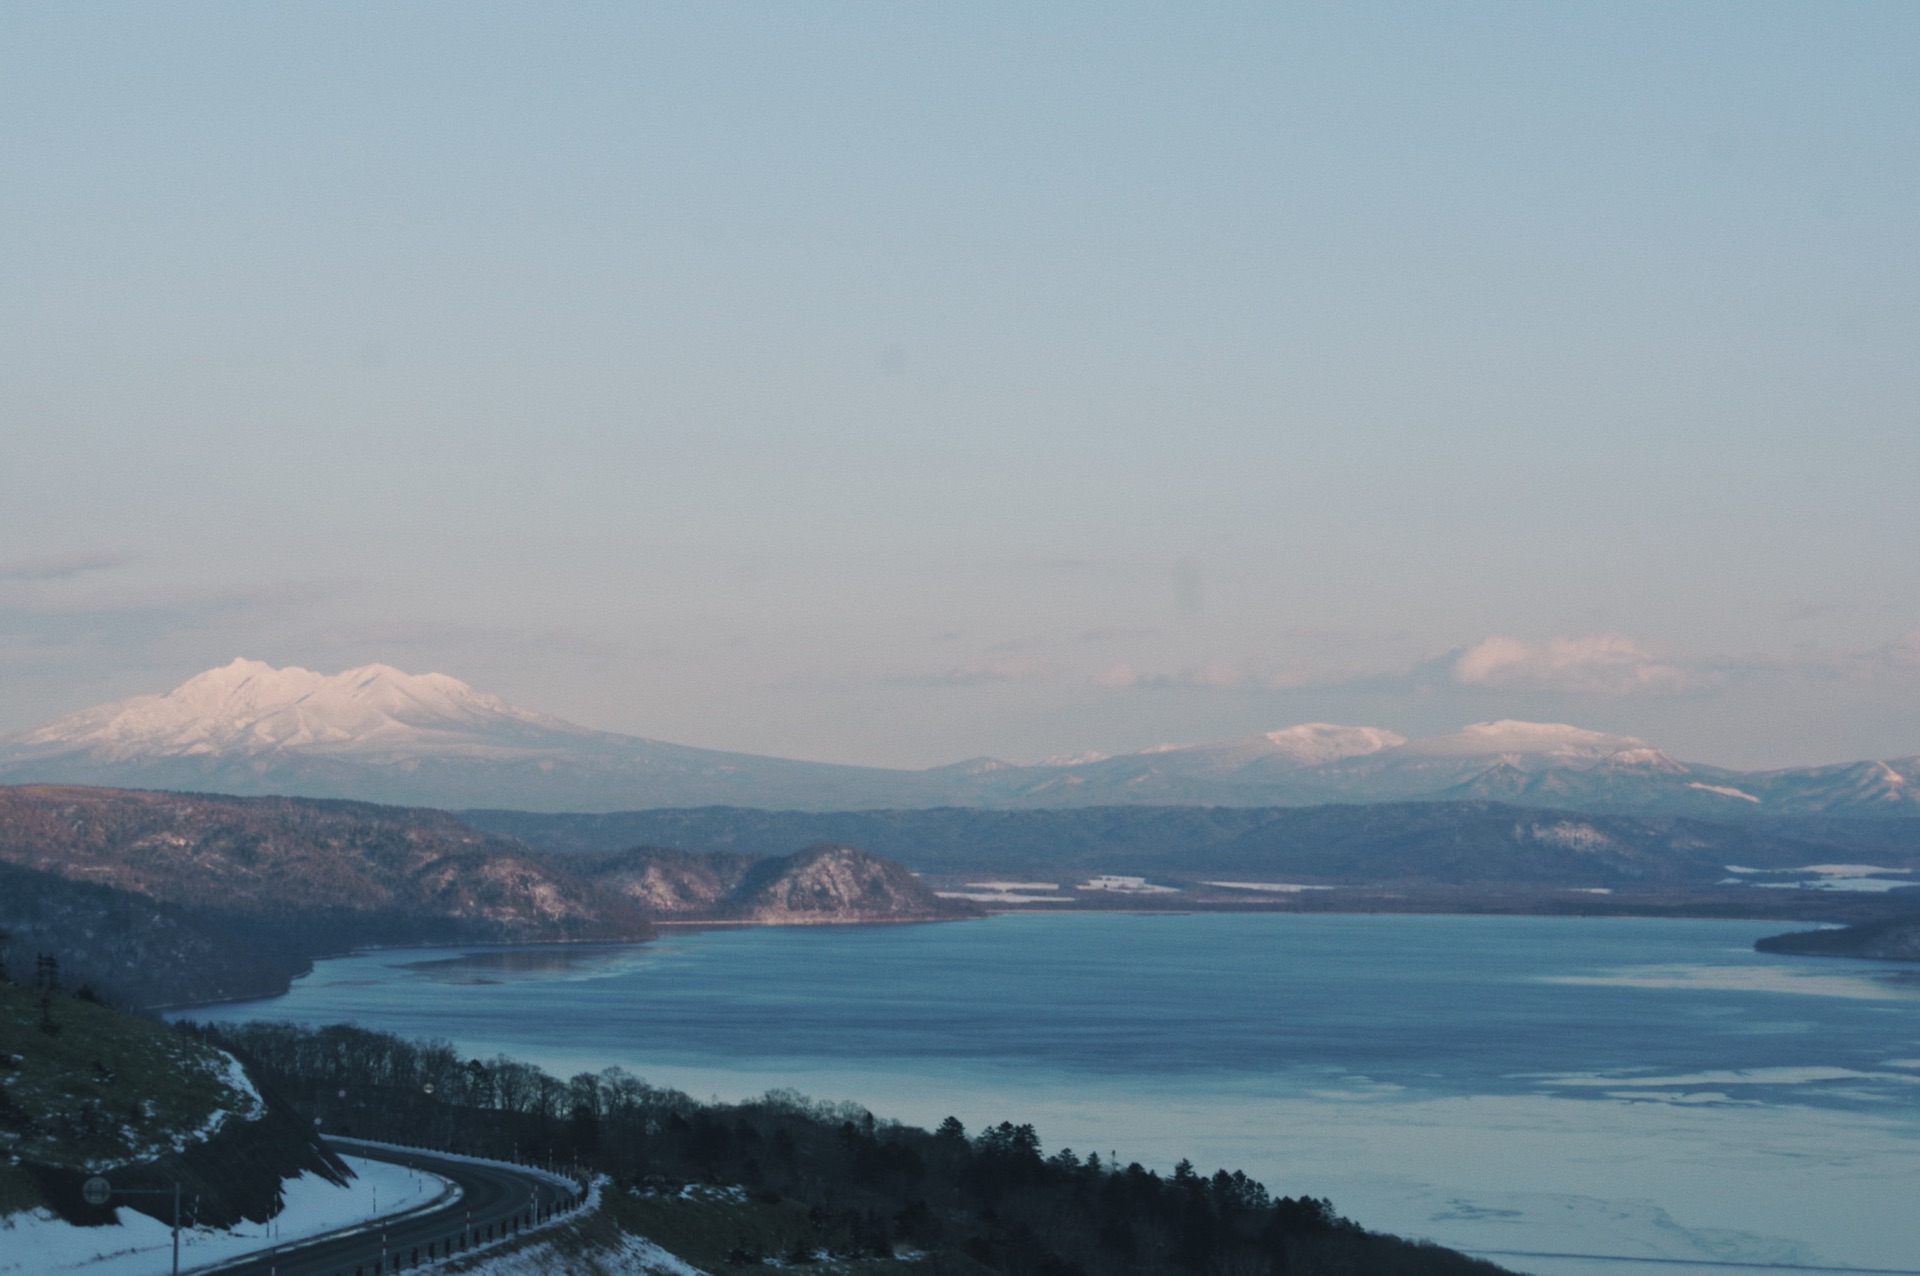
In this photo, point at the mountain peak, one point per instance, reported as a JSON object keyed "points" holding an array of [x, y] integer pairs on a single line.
{"points": [[377, 732], [1530, 744], [1311, 743], [249, 708], [1510, 735]]}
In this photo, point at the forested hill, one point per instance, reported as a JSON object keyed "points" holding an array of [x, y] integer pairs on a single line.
{"points": [[196, 897], [819, 884], [1894, 938], [169, 898], [1453, 842], [739, 1188], [139, 951], [87, 1090], [374, 873]]}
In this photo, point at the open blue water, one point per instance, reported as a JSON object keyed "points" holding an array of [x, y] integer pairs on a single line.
{"points": [[1536, 1088]]}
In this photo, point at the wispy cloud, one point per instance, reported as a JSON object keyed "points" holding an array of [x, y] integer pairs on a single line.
{"points": [[1217, 675], [140, 618], [1898, 658], [1581, 666], [1590, 665], [1007, 669], [1212, 675], [1595, 665], [1901, 655], [60, 566], [1117, 633], [441, 636]]}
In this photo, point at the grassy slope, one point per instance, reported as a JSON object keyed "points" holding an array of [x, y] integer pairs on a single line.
{"points": [[105, 1089]]}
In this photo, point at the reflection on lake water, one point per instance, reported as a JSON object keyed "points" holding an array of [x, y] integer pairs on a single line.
{"points": [[493, 965], [1609, 1087]]}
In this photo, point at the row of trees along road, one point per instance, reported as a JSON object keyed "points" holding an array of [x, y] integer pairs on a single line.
{"points": [[870, 1186]]}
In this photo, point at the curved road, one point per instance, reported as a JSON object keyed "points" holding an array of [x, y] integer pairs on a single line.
{"points": [[496, 1198]]}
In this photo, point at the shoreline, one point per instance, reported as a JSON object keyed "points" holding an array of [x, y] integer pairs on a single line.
{"points": [[174, 1010]]}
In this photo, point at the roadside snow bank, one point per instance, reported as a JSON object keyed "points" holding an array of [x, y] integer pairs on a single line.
{"points": [[582, 1243], [632, 1256], [138, 1246]]}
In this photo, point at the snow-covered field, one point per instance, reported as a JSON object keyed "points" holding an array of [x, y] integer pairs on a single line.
{"points": [[139, 1246], [632, 1257]]}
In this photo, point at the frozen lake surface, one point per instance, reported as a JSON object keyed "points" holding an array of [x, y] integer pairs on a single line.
{"points": [[1536, 1089]]}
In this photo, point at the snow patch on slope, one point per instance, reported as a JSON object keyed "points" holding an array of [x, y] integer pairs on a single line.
{"points": [[1312, 743], [1555, 743], [1724, 791], [632, 1256], [249, 708], [1309, 744]]}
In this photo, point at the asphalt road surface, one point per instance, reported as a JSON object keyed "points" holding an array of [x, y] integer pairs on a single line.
{"points": [[496, 1200]]}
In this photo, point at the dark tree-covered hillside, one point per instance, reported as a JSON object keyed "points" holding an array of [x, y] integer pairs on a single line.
{"points": [[996, 1197]]}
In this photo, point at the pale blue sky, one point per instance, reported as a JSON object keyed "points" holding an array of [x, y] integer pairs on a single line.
{"points": [[894, 384]]}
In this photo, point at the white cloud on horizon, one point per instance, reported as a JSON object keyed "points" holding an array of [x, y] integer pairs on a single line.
{"points": [[1589, 665], [1585, 666], [1215, 675], [1902, 653], [1017, 668], [1898, 658], [1609, 665]]}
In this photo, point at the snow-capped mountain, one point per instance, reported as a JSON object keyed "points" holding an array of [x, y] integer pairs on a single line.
{"points": [[251, 709], [379, 734], [1504, 759], [1541, 744]]}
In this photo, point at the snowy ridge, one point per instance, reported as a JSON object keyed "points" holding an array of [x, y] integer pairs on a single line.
{"points": [[376, 733], [1309, 744], [1315, 742], [245, 1105], [250, 708], [1548, 741], [251, 1107]]}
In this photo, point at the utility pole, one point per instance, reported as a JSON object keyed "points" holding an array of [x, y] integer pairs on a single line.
{"points": [[97, 1191]]}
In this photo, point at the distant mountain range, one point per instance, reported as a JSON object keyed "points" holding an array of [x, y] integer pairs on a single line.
{"points": [[378, 734], [1484, 847]]}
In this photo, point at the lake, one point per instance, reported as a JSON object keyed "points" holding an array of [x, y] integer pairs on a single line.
{"points": [[1562, 1094]]}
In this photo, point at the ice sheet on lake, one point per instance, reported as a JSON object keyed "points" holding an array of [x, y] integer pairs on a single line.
{"points": [[1864, 986]]}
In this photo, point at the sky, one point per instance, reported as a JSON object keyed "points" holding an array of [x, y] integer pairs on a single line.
{"points": [[897, 384]]}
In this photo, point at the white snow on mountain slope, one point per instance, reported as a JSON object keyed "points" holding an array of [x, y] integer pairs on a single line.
{"points": [[250, 708], [378, 734], [1552, 743], [1312, 743], [1307, 745]]}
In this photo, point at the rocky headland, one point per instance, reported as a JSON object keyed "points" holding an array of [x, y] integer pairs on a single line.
{"points": [[1883, 939]]}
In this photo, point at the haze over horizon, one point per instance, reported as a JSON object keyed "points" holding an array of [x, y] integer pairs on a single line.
{"points": [[892, 386], [249, 707]]}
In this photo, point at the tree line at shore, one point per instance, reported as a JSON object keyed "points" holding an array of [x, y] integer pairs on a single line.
{"points": [[992, 1199]]}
